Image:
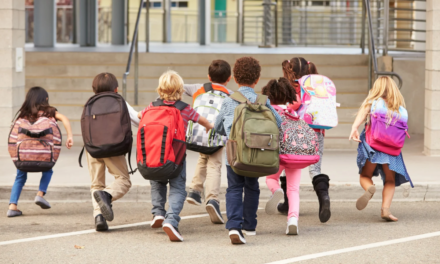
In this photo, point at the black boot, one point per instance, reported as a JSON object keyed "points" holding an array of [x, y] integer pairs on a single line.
{"points": [[104, 200], [283, 208], [321, 185], [100, 223]]}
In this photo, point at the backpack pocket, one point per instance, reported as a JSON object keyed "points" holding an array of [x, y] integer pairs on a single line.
{"points": [[231, 151], [179, 148], [34, 155], [105, 130], [262, 149]]}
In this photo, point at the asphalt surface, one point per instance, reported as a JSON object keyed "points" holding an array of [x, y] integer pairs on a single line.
{"points": [[209, 243]]}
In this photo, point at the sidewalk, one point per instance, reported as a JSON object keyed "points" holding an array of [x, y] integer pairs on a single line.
{"points": [[339, 165]]}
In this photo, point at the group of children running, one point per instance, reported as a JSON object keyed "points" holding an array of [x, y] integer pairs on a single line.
{"points": [[243, 193]]}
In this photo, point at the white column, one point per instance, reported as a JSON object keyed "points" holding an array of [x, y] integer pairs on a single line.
{"points": [[12, 30], [432, 79]]}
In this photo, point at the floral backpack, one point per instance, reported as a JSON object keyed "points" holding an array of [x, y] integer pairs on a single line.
{"points": [[318, 96], [299, 143]]}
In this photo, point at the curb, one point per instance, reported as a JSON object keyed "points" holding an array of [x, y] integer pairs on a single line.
{"points": [[339, 192]]}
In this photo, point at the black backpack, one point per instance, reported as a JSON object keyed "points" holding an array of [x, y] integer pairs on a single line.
{"points": [[106, 127]]}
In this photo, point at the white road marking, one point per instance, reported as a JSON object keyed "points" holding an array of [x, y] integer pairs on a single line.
{"points": [[357, 248], [89, 231]]}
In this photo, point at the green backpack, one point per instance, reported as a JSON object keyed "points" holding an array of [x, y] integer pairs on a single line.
{"points": [[253, 145]]}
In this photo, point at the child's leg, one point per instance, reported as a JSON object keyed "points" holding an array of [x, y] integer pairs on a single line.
{"points": [[117, 166], [44, 182], [250, 203], [389, 186], [365, 178], [272, 181], [97, 175], [20, 180], [158, 197], [176, 198], [234, 199], [213, 176], [315, 169], [293, 177], [200, 173]]}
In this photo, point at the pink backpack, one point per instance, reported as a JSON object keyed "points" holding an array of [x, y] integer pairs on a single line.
{"points": [[386, 138], [299, 144]]}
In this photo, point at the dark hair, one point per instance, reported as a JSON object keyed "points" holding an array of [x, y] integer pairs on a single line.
{"points": [[294, 69], [312, 68], [37, 99], [104, 82], [247, 70], [219, 71], [279, 92]]}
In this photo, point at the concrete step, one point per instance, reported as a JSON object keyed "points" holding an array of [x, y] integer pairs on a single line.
{"points": [[150, 83], [87, 58], [192, 71]]}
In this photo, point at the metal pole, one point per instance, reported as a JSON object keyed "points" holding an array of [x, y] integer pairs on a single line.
{"points": [[136, 71], [386, 26], [240, 21], [147, 26], [364, 13], [276, 23]]}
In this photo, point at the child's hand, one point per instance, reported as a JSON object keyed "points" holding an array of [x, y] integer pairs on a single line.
{"points": [[69, 142], [209, 127], [354, 135]]}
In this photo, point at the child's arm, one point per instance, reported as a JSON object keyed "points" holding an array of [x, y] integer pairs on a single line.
{"points": [[133, 115], [66, 123], [275, 113], [190, 89], [360, 118], [204, 122]]}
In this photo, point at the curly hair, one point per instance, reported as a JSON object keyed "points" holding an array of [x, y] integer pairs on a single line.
{"points": [[247, 71], [279, 92], [170, 86]]}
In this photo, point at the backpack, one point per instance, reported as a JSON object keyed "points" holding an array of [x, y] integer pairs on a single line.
{"points": [[253, 145], [207, 102], [318, 96], [299, 144], [386, 138], [161, 143], [34, 147], [106, 127]]}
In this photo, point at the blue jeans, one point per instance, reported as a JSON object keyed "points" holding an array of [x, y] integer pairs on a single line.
{"points": [[176, 198], [20, 180], [242, 213]]}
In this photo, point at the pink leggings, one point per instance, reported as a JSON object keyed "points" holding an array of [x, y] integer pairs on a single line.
{"points": [[293, 177]]}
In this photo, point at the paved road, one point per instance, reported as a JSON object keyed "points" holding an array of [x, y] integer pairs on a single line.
{"points": [[208, 243]]}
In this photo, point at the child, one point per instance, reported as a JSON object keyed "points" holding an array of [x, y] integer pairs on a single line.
{"points": [[281, 92], [386, 97], [294, 70], [241, 213], [36, 105], [117, 166], [208, 169], [170, 90]]}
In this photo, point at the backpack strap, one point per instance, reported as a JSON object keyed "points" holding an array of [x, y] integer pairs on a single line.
{"points": [[208, 87], [239, 97], [261, 99], [178, 104], [129, 159], [80, 157]]}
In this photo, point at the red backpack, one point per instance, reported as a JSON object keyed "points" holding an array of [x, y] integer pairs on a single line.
{"points": [[161, 142]]}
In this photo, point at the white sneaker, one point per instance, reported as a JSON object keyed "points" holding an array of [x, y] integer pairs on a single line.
{"points": [[292, 226], [157, 221], [249, 232], [236, 237], [271, 205]]}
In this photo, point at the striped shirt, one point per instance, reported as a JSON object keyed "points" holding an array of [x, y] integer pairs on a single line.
{"points": [[226, 116], [187, 114]]}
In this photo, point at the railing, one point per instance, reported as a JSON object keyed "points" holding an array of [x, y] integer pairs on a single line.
{"points": [[372, 50], [133, 47]]}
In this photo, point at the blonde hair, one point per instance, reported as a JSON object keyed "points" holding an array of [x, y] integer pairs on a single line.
{"points": [[170, 86], [385, 87]]}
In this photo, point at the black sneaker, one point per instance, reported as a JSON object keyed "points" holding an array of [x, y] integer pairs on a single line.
{"points": [[104, 200], [213, 209], [100, 223], [172, 232], [236, 236], [194, 198]]}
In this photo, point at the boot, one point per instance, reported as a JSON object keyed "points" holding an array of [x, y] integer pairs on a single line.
{"points": [[283, 208], [321, 185]]}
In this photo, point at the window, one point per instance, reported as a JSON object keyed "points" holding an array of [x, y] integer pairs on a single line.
{"points": [[174, 4], [320, 3]]}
